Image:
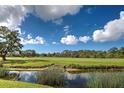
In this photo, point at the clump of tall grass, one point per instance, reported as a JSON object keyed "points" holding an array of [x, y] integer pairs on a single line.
{"points": [[3, 72], [106, 80], [53, 76], [1, 65]]}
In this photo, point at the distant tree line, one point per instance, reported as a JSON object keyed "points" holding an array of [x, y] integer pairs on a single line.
{"points": [[24, 53], [111, 53]]}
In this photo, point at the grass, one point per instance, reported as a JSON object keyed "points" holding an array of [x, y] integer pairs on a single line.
{"points": [[54, 76], [47, 61], [3, 72], [106, 80], [16, 84]]}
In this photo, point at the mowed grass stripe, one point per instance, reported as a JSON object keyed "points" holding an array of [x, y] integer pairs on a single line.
{"points": [[46, 61]]}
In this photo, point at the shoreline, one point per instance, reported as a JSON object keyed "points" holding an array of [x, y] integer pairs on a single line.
{"points": [[68, 69]]}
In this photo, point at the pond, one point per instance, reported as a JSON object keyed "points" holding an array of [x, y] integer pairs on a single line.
{"points": [[78, 80]]}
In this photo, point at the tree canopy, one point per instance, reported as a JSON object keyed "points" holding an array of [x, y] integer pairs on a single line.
{"points": [[9, 41]]}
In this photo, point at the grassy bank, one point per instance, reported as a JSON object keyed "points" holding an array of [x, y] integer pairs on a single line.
{"points": [[40, 62], [16, 84]]}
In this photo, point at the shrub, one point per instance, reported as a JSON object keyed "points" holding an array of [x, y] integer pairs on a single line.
{"points": [[53, 76]]}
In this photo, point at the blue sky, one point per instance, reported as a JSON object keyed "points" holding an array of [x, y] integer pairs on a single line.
{"points": [[74, 29]]}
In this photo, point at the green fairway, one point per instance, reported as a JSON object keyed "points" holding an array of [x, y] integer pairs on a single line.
{"points": [[46, 61], [17, 84]]}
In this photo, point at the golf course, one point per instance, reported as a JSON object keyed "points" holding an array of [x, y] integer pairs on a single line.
{"points": [[40, 62], [56, 46]]}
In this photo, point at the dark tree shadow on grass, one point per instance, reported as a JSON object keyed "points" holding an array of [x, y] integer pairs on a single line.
{"points": [[14, 61]]}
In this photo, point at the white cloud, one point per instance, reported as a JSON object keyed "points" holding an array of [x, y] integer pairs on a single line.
{"points": [[30, 40], [69, 40], [12, 16], [29, 36], [53, 12], [84, 39], [39, 40], [58, 21], [112, 31], [67, 29], [122, 14], [54, 43]]}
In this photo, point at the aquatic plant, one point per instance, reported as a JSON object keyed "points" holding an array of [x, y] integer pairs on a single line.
{"points": [[1, 65], [53, 76], [106, 80], [3, 72]]}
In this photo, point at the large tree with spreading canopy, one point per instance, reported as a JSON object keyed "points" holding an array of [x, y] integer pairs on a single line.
{"points": [[9, 41]]}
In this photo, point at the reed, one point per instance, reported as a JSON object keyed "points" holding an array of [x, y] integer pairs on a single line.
{"points": [[53, 76], [3, 72], [106, 80]]}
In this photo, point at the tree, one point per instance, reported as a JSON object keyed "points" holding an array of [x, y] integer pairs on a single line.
{"points": [[9, 41], [111, 53], [29, 53], [121, 52], [113, 50]]}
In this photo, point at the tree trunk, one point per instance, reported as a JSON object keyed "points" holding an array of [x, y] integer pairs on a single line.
{"points": [[4, 57]]}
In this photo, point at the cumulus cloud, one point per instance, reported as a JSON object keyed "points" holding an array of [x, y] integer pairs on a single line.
{"points": [[122, 14], [112, 31], [39, 40], [69, 40], [29, 36], [53, 12], [30, 40], [84, 39], [12, 16]]}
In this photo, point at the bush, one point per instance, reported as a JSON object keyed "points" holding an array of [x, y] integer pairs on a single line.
{"points": [[53, 76], [3, 72]]}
